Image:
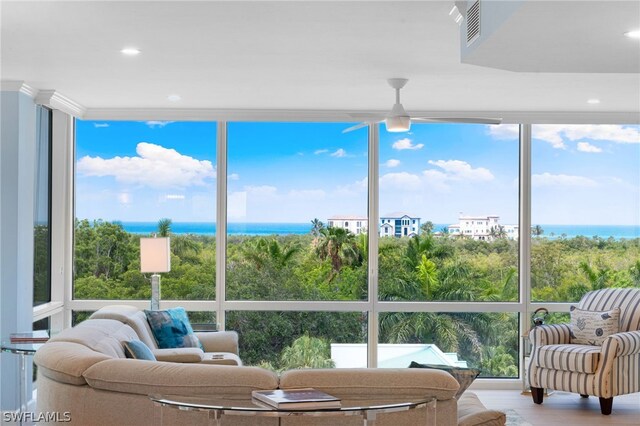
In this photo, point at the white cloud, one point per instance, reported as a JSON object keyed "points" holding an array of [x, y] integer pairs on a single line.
{"points": [[504, 131], [156, 123], [587, 147], [234, 176], [392, 163], [174, 197], [339, 153], [401, 181], [99, 125], [307, 194], [547, 179], [461, 170], [354, 188], [264, 190], [320, 151], [406, 143], [603, 132], [155, 166], [557, 134], [124, 198]]}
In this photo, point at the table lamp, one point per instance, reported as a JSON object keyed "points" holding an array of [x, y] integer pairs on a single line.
{"points": [[155, 257]]}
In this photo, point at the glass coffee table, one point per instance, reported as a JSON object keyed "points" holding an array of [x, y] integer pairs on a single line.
{"points": [[23, 350], [218, 407]]}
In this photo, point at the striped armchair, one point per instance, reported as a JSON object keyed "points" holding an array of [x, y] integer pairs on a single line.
{"points": [[603, 371]]}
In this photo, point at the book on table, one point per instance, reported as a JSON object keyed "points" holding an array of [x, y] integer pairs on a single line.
{"points": [[294, 399], [38, 336]]}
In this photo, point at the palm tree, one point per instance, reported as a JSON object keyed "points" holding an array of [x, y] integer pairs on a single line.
{"points": [[340, 246], [307, 352], [498, 232], [316, 227], [265, 252], [186, 247], [537, 231], [164, 227]]}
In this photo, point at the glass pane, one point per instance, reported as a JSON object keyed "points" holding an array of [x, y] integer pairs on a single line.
{"points": [[41, 231], [139, 179], [297, 212], [488, 341], [285, 340], [449, 213], [585, 210]]}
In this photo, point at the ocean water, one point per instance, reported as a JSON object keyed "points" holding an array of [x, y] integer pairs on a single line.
{"points": [[209, 228]]}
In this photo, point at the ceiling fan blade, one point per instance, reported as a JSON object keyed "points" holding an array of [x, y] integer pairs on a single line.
{"points": [[356, 127], [470, 120]]}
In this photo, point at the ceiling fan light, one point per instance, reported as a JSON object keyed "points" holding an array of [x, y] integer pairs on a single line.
{"points": [[401, 123]]}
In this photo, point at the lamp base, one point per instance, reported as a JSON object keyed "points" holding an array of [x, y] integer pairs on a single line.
{"points": [[155, 292]]}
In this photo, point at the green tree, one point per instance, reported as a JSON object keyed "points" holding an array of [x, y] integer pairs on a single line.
{"points": [[537, 231], [307, 352], [340, 246], [316, 227], [164, 227]]}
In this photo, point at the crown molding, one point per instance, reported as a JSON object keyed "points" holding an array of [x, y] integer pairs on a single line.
{"points": [[204, 114], [18, 86], [55, 100]]}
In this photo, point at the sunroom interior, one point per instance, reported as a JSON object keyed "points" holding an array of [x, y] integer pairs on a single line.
{"points": [[258, 137]]}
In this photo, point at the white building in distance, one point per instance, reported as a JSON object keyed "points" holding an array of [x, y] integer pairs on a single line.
{"points": [[399, 225], [355, 224], [480, 228]]}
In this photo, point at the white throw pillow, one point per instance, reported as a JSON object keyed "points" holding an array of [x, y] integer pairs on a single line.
{"points": [[592, 327]]}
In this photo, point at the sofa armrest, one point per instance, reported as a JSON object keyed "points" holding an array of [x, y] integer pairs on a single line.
{"points": [[179, 354], [218, 341], [628, 342], [556, 334]]}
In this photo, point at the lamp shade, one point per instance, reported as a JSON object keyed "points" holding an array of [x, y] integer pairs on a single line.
{"points": [[155, 255]]}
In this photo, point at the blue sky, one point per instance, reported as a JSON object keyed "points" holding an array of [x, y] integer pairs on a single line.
{"points": [[293, 172]]}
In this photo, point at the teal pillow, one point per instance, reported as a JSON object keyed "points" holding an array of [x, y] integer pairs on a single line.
{"points": [[172, 329], [138, 350], [464, 376]]}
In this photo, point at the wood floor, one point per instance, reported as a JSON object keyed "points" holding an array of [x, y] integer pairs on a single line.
{"points": [[563, 409]]}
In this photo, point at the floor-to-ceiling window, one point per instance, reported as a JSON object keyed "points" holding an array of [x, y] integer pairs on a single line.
{"points": [[41, 227], [449, 233], [141, 179], [585, 210], [296, 231]]}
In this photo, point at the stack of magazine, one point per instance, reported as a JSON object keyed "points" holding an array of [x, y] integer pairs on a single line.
{"points": [[39, 336], [297, 399]]}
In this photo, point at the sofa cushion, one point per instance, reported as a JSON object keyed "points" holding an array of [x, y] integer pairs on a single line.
{"points": [[131, 316], [179, 354], [575, 358], [137, 350], [101, 335], [65, 361], [471, 412], [592, 327], [371, 382], [171, 378], [464, 376], [172, 329]]}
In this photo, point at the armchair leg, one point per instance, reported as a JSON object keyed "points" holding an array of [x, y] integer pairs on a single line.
{"points": [[537, 394], [606, 404]]}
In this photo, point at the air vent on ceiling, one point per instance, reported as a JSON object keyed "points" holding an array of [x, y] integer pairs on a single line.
{"points": [[473, 22]]}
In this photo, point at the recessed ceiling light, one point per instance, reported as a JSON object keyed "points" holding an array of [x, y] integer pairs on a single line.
{"points": [[593, 101], [633, 34], [130, 51], [174, 98]]}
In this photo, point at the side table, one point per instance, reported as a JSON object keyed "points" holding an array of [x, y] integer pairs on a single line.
{"points": [[23, 350]]}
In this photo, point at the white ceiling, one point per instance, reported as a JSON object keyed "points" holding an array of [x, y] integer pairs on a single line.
{"points": [[304, 55]]}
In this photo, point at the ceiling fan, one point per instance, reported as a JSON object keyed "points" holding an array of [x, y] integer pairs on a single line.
{"points": [[397, 120]]}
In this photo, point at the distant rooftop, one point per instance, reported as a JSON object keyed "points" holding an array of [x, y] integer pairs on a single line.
{"points": [[354, 355], [397, 215], [348, 217]]}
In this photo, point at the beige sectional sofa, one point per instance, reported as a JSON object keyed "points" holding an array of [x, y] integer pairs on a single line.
{"points": [[83, 370]]}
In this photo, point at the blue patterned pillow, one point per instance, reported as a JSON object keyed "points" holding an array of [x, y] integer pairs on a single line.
{"points": [[172, 329], [138, 350]]}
